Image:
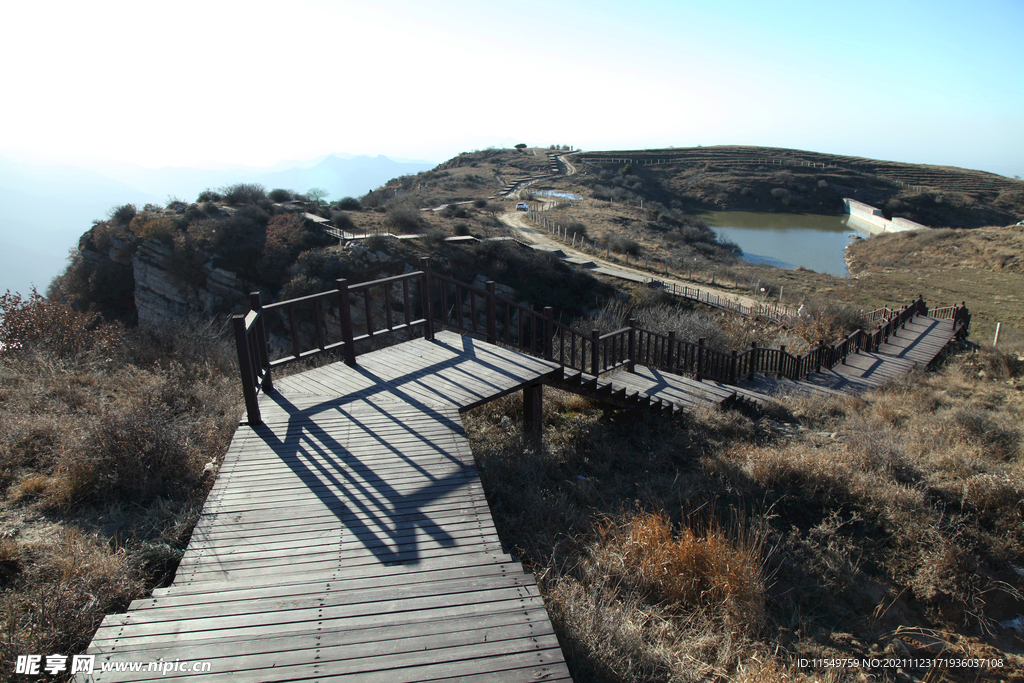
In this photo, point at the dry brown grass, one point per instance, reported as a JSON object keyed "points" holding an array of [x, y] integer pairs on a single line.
{"points": [[67, 584], [686, 569], [105, 459], [903, 508]]}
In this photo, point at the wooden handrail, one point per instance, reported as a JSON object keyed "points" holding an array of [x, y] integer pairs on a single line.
{"points": [[518, 326]]}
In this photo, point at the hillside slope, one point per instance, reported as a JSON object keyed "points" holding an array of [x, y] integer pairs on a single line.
{"points": [[794, 181]]}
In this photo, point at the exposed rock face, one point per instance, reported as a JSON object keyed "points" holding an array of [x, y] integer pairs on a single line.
{"points": [[163, 297]]}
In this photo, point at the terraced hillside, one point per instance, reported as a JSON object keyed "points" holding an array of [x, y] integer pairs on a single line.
{"points": [[772, 179]]}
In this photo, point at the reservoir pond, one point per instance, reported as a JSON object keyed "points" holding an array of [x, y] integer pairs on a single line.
{"points": [[815, 242]]}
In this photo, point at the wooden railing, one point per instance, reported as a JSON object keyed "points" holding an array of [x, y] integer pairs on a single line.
{"points": [[354, 316], [960, 316], [778, 312]]}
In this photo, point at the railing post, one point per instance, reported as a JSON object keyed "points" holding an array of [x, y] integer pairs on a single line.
{"points": [[345, 318], [549, 331], [533, 411], [671, 349], [492, 324], [732, 367], [631, 351], [754, 354], [821, 352], [595, 352], [261, 340], [700, 360], [426, 287], [782, 361], [252, 405]]}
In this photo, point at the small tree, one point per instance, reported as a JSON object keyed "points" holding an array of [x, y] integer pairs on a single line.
{"points": [[521, 145], [317, 193]]}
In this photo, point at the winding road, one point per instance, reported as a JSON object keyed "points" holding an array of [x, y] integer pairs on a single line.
{"points": [[523, 231]]}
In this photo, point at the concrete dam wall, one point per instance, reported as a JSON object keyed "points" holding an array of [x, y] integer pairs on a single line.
{"points": [[871, 219]]}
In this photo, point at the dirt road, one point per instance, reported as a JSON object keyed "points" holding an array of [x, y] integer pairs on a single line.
{"points": [[516, 220]]}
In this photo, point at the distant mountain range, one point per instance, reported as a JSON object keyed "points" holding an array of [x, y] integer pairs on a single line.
{"points": [[44, 209]]}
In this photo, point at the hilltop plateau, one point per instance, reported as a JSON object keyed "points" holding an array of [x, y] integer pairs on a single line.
{"points": [[723, 545]]}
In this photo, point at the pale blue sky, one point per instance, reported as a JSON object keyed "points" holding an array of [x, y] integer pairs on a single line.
{"points": [[256, 82]]}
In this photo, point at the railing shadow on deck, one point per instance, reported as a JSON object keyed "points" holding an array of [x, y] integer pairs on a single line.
{"points": [[417, 303], [388, 412]]}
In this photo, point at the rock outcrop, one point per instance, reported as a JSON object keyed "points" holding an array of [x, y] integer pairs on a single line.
{"points": [[161, 296]]}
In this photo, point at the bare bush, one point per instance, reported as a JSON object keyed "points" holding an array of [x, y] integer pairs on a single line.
{"points": [[403, 219]]}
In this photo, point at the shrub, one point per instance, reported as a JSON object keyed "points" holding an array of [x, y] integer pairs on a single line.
{"points": [[280, 195], [342, 222], [187, 260], [577, 228], [460, 229], [287, 236], [36, 323], [454, 211], [349, 204], [325, 264], [135, 453], [624, 245], [378, 242], [830, 322], [123, 215], [521, 145], [301, 285], [154, 228], [480, 203], [244, 193], [403, 218], [239, 241], [209, 195], [108, 288]]}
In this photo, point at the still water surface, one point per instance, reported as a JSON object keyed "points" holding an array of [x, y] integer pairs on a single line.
{"points": [[788, 240]]}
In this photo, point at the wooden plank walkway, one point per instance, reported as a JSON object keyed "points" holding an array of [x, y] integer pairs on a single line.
{"points": [[622, 388], [349, 536], [916, 345]]}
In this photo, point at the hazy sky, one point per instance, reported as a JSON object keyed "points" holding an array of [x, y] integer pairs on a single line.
{"points": [[257, 82]]}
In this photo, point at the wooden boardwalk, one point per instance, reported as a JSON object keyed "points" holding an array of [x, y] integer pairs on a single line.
{"points": [[349, 536], [916, 345]]}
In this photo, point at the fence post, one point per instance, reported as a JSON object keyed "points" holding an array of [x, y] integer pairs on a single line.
{"points": [[754, 352], [631, 356], [732, 368], [261, 340], [492, 323], [549, 331], [671, 349], [426, 288], [782, 361], [252, 406], [345, 318], [821, 352], [595, 352], [700, 360]]}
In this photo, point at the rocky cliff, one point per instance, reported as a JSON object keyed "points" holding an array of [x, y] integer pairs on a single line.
{"points": [[162, 296]]}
